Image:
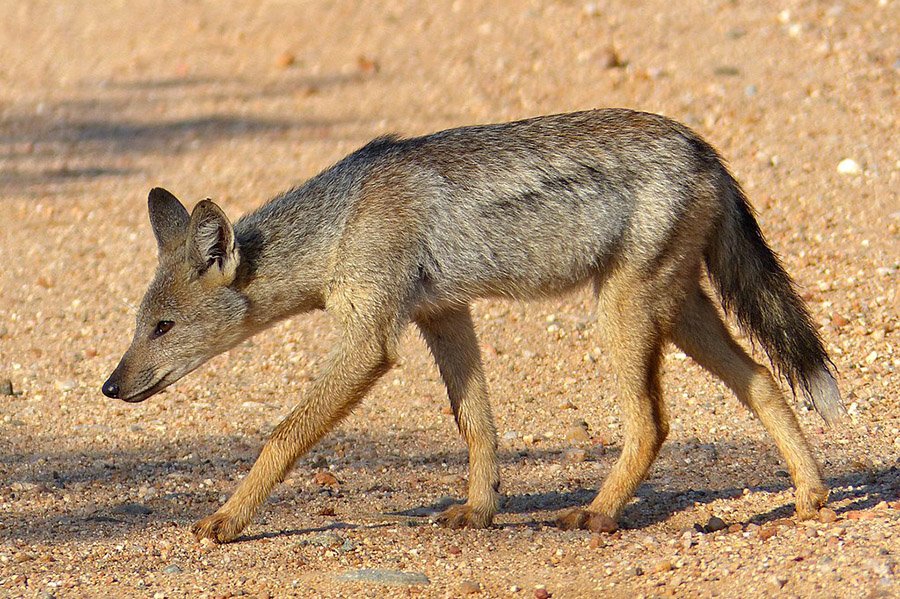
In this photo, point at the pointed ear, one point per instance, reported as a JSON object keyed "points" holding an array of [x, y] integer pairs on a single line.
{"points": [[169, 219], [211, 248]]}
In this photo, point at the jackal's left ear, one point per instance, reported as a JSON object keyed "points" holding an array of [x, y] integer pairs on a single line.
{"points": [[211, 248]]}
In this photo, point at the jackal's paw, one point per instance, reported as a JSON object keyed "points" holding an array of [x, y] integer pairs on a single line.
{"points": [[576, 518], [219, 527], [464, 516], [807, 502]]}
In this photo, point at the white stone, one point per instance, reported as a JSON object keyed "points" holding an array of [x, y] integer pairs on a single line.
{"points": [[848, 166]]}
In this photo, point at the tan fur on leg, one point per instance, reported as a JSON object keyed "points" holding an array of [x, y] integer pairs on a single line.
{"points": [[451, 338], [362, 357], [634, 341], [703, 336]]}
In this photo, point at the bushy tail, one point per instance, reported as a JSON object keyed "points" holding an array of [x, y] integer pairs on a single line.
{"points": [[755, 288]]}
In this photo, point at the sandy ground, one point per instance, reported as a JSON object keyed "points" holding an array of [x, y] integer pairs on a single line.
{"points": [[99, 101]]}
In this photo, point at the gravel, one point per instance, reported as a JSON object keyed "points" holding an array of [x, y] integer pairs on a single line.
{"points": [[100, 102]]}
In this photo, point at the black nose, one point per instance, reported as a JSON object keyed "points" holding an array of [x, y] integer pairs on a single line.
{"points": [[110, 389]]}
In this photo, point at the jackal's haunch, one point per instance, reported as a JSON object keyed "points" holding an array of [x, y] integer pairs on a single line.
{"points": [[414, 230]]}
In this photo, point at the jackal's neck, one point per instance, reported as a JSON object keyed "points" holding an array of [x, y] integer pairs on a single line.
{"points": [[286, 247]]}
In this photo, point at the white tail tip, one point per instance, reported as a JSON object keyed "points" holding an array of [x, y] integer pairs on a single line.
{"points": [[825, 397]]}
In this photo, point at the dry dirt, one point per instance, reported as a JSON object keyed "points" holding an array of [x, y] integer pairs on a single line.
{"points": [[99, 101]]}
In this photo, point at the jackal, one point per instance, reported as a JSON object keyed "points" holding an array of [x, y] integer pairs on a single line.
{"points": [[414, 230]]}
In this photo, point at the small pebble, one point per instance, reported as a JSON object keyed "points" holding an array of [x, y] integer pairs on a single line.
{"points": [[576, 455], [827, 515], [6, 387], [66, 385], [367, 65], [285, 60], [860, 515], [454, 550], [469, 587], [173, 569], [319, 462], [784, 522], [541, 593], [663, 566], [715, 524], [727, 71], [325, 479], [611, 59], [591, 9], [578, 433], [848, 166], [767, 532], [839, 321]]}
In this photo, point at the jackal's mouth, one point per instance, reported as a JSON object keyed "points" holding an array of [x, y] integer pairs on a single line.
{"points": [[163, 382]]}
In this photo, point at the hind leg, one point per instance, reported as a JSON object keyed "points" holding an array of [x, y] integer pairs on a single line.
{"points": [[633, 337], [701, 334]]}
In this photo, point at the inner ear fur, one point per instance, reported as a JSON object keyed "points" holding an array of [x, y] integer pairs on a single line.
{"points": [[211, 247]]}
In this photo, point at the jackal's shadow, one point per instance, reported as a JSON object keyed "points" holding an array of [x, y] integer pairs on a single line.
{"points": [[101, 505], [654, 505]]}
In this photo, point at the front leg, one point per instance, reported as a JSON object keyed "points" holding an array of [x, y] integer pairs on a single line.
{"points": [[451, 337], [359, 361]]}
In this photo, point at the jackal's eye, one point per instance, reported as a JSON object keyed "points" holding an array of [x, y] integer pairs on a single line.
{"points": [[162, 327]]}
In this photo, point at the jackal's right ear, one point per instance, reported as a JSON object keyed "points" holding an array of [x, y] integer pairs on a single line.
{"points": [[169, 219], [211, 247]]}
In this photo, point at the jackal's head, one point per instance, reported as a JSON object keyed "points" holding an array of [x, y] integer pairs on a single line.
{"points": [[192, 311]]}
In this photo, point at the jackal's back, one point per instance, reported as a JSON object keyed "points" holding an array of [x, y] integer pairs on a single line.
{"points": [[538, 206]]}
